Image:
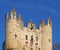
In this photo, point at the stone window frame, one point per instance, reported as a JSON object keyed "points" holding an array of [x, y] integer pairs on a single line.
{"points": [[26, 37]]}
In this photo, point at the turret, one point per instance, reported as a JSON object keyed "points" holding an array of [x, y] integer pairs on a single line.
{"points": [[21, 24], [13, 14], [19, 21], [39, 27], [49, 21], [42, 23], [19, 16], [47, 36], [7, 16], [31, 25]]}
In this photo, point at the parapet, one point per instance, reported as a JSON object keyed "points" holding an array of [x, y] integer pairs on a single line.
{"points": [[30, 24]]}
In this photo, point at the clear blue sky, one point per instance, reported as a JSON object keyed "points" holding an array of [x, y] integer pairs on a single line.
{"points": [[35, 10]]}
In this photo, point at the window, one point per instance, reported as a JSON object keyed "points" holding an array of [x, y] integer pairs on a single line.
{"points": [[39, 48], [26, 37], [9, 49], [49, 40], [23, 48], [32, 36], [31, 41], [31, 48], [36, 38]]}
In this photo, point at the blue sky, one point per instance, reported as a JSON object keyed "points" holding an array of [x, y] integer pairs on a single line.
{"points": [[35, 10]]}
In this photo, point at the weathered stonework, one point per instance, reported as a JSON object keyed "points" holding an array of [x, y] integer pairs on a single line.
{"points": [[19, 37]]}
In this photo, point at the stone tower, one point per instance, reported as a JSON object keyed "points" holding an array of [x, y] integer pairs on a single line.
{"points": [[12, 30], [19, 37], [46, 35]]}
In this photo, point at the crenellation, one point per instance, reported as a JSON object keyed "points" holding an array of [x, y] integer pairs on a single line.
{"points": [[19, 17], [27, 38], [31, 25], [13, 14], [49, 21], [42, 23]]}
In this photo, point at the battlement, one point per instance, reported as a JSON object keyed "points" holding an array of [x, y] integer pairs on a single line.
{"points": [[19, 37], [30, 23]]}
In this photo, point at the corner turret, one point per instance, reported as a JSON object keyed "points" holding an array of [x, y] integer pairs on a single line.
{"points": [[49, 21], [7, 16], [20, 21], [41, 24], [13, 13]]}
